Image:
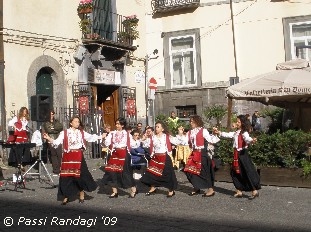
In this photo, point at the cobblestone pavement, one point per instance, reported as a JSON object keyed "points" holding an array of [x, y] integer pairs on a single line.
{"points": [[35, 208]]}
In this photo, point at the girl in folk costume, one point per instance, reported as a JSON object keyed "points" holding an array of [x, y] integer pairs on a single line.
{"points": [[74, 175], [200, 168], [243, 173], [182, 150], [21, 135], [20, 124], [118, 171], [160, 171]]}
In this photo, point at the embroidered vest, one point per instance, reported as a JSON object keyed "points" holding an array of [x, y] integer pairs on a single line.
{"points": [[199, 139], [241, 144]]}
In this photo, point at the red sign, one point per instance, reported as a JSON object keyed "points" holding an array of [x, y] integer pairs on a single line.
{"points": [[130, 107], [83, 104], [153, 83]]}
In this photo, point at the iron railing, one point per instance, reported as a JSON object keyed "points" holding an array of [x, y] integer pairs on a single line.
{"points": [[108, 26], [170, 5]]}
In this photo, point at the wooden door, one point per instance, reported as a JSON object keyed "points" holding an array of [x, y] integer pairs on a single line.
{"points": [[110, 109]]}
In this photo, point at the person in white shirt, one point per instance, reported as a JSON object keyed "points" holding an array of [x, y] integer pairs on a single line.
{"points": [[74, 176], [160, 171], [200, 166], [20, 153], [118, 171], [182, 147], [243, 172]]}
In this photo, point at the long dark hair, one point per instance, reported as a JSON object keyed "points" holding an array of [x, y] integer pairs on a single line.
{"points": [[81, 126], [245, 123], [197, 120], [165, 129]]}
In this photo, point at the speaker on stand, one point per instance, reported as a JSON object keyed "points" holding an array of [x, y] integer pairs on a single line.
{"points": [[40, 107]]}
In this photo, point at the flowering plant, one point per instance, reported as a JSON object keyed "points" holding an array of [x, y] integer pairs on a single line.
{"points": [[131, 20], [85, 4], [129, 31]]}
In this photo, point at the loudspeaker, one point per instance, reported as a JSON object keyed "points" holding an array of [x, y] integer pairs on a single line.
{"points": [[40, 107]]}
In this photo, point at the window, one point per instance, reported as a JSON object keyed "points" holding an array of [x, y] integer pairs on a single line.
{"points": [[182, 52], [233, 80], [182, 60], [297, 37], [185, 111], [300, 37]]}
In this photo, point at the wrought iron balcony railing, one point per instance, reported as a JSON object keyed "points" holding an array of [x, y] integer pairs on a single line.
{"points": [[170, 5], [104, 25]]}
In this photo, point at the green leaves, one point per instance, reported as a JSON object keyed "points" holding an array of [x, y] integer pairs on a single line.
{"points": [[216, 112], [172, 125], [286, 149]]}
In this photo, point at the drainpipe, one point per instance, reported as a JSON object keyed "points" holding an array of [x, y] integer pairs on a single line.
{"points": [[235, 64], [2, 94], [146, 88]]}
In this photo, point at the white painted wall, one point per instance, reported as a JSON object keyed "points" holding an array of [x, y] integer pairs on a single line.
{"points": [[57, 22]]}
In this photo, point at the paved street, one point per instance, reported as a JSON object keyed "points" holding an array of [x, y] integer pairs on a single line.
{"points": [[35, 208]]}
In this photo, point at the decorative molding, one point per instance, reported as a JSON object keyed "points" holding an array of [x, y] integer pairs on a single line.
{"points": [[64, 47]]}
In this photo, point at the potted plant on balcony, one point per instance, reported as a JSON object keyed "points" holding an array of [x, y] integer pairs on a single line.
{"points": [[129, 32], [85, 6], [85, 26]]}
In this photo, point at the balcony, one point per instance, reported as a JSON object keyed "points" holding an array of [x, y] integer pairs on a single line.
{"points": [[111, 31], [160, 6]]}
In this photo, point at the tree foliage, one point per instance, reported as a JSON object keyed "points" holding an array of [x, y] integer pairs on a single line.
{"points": [[216, 112]]}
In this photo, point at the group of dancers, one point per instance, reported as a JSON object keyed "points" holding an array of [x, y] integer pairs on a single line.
{"points": [[160, 172], [75, 178]]}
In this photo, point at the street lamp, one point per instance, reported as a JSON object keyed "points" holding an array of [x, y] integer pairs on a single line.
{"points": [[147, 58]]}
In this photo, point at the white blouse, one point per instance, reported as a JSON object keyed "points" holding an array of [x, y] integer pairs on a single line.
{"points": [[235, 136], [180, 140], [119, 139], [15, 119], [159, 144], [75, 140], [135, 143], [146, 142]]}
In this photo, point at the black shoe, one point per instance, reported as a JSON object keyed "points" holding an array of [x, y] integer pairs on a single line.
{"points": [[133, 194], [114, 195], [254, 196], [168, 195], [151, 193], [194, 193], [65, 202], [81, 201], [208, 195]]}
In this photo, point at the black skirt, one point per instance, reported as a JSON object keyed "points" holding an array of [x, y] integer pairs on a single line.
{"points": [[121, 179], [19, 154], [167, 180], [248, 179], [206, 178], [71, 186]]}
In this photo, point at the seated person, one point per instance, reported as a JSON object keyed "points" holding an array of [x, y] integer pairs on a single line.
{"points": [[136, 148]]}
